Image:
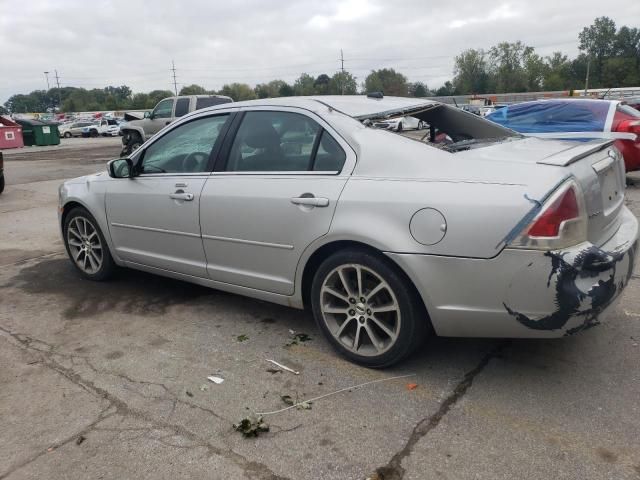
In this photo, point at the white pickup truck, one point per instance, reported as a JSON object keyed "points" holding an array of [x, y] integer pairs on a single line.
{"points": [[136, 132], [105, 127]]}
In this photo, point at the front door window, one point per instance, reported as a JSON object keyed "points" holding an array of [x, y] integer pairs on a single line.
{"points": [[185, 149]]}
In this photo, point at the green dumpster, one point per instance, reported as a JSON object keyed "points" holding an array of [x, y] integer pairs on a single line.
{"points": [[35, 132]]}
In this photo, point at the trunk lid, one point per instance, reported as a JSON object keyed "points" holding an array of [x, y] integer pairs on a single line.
{"points": [[596, 165]]}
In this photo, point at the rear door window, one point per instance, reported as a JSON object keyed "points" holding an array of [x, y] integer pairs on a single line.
{"points": [[182, 107], [274, 142], [204, 102]]}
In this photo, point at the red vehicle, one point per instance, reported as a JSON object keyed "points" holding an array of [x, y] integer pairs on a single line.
{"points": [[627, 120], [577, 119], [633, 102]]}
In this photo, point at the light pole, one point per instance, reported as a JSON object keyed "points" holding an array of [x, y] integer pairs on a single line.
{"points": [[46, 75]]}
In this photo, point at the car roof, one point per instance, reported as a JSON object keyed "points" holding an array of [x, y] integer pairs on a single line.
{"points": [[356, 106]]}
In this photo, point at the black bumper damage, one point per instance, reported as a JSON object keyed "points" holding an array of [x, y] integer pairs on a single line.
{"points": [[586, 281]]}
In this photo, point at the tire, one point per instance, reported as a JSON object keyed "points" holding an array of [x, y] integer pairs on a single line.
{"points": [[93, 133], [420, 125], [348, 318], [133, 142], [86, 246], [67, 135], [1, 182], [400, 127]]}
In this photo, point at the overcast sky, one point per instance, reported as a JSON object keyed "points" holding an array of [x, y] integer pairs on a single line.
{"points": [[98, 43]]}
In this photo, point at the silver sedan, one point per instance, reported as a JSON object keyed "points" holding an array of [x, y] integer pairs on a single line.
{"points": [[467, 230]]}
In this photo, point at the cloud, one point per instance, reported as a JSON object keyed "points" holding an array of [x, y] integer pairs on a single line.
{"points": [[123, 42], [346, 11], [503, 12]]}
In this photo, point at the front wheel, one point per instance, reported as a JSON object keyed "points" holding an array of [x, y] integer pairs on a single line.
{"points": [[420, 125], [400, 127], [132, 142], [67, 135], [86, 245], [367, 308]]}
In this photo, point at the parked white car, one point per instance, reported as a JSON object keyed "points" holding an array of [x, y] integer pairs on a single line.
{"points": [[105, 127], [401, 123]]}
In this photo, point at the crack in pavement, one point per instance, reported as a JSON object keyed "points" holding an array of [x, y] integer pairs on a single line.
{"points": [[393, 470], [251, 468]]}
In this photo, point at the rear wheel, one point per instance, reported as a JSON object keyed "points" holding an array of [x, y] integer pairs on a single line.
{"points": [[86, 245], [400, 127], [1, 182], [367, 308]]}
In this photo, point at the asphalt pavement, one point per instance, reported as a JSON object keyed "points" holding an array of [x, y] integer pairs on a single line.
{"points": [[109, 380]]}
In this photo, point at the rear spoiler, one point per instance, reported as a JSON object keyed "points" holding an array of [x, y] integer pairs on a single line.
{"points": [[575, 152], [579, 135]]}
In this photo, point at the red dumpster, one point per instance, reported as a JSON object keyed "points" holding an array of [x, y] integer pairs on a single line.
{"points": [[10, 134]]}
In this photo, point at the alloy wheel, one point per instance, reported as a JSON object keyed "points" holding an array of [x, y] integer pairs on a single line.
{"points": [[85, 245], [360, 309]]}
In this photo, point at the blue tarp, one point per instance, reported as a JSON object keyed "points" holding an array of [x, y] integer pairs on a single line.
{"points": [[549, 116]]}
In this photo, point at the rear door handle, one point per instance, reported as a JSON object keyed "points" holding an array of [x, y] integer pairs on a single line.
{"points": [[311, 201], [181, 196]]}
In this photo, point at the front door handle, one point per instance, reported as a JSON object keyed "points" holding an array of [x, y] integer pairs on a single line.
{"points": [[311, 201], [182, 196]]}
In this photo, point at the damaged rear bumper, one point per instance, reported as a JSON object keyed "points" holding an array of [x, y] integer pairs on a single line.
{"points": [[586, 280], [526, 293]]}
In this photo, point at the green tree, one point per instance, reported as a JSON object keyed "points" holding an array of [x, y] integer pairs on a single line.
{"points": [[557, 74], [419, 90], [193, 89], [139, 101], [343, 83], [304, 85], [446, 90], [238, 91], [507, 66], [535, 70], [155, 96], [597, 41], [321, 84], [470, 72], [273, 89], [286, 90], [388, 81]]}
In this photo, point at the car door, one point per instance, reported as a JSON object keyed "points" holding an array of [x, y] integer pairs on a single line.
{"points": [[154, 216], [274, 193], [160, 117]]}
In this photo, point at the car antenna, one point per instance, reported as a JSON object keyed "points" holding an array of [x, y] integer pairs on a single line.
{"points": [[454, 101]]}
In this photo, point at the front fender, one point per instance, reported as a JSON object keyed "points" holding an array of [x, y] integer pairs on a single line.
{"points": [[90, 193]]}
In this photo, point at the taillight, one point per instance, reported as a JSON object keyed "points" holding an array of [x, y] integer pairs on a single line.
{"points": [[560, 222], [562, 209], [630, 126]]}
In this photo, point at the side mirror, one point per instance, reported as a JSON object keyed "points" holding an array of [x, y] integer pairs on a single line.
{"points": [[148, 115], [120, 168]]}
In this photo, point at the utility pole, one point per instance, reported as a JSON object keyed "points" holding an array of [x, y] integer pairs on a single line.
{"points": [[46, 75], [59, 92], [586, 80], [342, 69], [175, 85]]}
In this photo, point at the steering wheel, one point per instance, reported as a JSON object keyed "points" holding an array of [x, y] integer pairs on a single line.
{"points": [[194, 162]]}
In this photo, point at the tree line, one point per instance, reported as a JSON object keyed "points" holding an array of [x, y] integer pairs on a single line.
{"points": [[610, 55]]}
